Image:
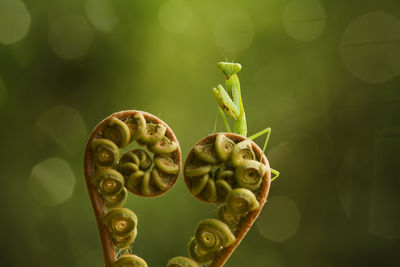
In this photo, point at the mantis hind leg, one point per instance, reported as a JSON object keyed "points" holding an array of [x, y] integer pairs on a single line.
{"points": [[276, 173], [266, 131]]}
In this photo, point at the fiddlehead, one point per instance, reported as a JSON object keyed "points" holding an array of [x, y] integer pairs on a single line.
{"points": [[206, 153], [163, 146], [152, 133], [166, 164], [136, 125], [210, 175], [120, 221], [249, 174], [223, 147], [230, 169], [109, 175], [106, 152], [242, 152], [182, 262], [229, 218], [200, 255], [213, 235], [197, 170], [129, 261], [117, 200], [118, 132], [241, 201], [109, 182], [139, 157]]}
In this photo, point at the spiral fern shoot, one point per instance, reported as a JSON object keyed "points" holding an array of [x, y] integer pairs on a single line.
{"points": [[147, 171]]}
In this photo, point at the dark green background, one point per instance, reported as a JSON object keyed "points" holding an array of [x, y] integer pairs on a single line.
{"points": [[332, 100]]}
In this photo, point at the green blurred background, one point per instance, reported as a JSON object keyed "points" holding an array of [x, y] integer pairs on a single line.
{"points": [[323, 74]]}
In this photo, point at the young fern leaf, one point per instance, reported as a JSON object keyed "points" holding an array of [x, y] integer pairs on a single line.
{"points": [[118, 132], [109, 175], [200, 255], [241, 185], [182, 262], [129, 260], [117, 200], [213, 235], [224, 147], [249, 174], [241, 201]]}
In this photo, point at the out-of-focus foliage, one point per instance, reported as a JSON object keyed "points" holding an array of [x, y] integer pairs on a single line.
{"points": [[323, 74]]}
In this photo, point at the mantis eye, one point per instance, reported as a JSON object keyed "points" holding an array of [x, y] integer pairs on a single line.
{"points": [[236, 67]]}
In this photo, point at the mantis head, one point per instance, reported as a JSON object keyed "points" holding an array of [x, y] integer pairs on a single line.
{"points": [[229, 69]]}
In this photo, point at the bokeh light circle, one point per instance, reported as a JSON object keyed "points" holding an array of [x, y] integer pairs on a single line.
{"points": [[304, 20], [175, 16], [370, 47], [66, 127], [52, 181], [280, 219], [70, 36], [234, 32], [14, 21], [101, 14]]}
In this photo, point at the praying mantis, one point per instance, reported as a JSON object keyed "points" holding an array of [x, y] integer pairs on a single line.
{"points": [[230, 103]]}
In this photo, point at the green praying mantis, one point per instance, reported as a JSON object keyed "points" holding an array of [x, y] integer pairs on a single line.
{"points": [[230, 103]]}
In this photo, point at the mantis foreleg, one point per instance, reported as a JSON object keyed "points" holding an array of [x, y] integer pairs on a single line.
{"points": [[226, 123], [225, 102]]}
